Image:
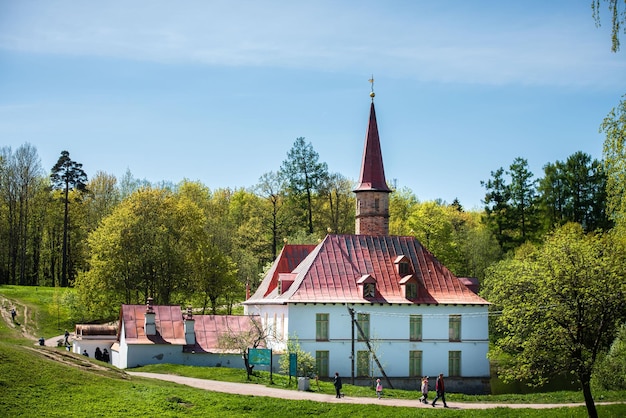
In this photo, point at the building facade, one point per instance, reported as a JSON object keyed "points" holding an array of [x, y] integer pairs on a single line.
{"points": [[371, 304]]}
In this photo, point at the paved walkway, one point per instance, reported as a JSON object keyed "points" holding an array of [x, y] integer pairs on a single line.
{"points": [[261, 390]]}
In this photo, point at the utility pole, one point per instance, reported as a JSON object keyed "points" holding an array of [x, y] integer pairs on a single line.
{"points": [[352, 352], [369, 347]]}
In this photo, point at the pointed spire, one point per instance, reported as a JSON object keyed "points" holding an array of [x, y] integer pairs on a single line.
{"points": [[372, 170]]}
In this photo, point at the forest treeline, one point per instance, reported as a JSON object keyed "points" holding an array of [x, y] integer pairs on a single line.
{"points": [[120, 240]]}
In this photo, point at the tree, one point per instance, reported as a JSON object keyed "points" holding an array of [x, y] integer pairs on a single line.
{"points": [[610, 371], [142, 249], [614, 153], [574, 191], [618, 19], [561, 305], [523, 198], [67, 175], [242, 340], [401, 204], [272, 188], [305, 363], [337, 210], [497, 207], [305, 176]]}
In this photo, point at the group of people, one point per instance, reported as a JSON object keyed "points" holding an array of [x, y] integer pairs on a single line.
{"points": [[439, 388], [99, 354]]}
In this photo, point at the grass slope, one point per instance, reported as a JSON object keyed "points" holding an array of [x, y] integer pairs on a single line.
{"points": [[39, 381]]}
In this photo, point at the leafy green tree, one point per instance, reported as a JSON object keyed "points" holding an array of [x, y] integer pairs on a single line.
{"points": [[305, 176], [561, 305], [610, 371], [142, 249], [305, 363], [337, 209], [20, 185], [272, 188], [67, 175], [213, 273], [102, 198], [614, 154], [401, 204]]}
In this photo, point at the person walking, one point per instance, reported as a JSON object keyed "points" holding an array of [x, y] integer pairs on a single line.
{"points": [[67, 338], [379, 389], [338, 385], [441, 391], [424, 389], [13, 313]]}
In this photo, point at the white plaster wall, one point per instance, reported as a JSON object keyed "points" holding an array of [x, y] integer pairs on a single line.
{"points": [[276, 319], [389, 325]]}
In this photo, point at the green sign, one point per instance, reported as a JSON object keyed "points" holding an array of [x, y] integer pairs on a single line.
{"points": [[293, 364], [260, 356]]}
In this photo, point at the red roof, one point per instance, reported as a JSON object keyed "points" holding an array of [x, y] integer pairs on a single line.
{"points": [[209, 328], [372, 170], [288, 259], [169, 325], [330, 273], [171, 329]]}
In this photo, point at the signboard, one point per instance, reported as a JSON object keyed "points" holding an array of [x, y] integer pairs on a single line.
{"points": [[293, 364], [260, 356]]}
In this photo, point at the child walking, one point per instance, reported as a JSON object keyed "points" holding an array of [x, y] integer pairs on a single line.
{"points": [[424, 398], [379, 388]]}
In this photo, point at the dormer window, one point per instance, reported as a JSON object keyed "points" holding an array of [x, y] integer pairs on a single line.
{"points": [[367, 284], [403, 265], [285, 280], [408, 284]]}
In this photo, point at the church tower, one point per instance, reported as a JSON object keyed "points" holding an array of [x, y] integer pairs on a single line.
{"points": [[372, 192]]}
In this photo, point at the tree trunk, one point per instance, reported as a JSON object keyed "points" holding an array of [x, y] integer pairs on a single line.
{"points": [[589, 403], [64, 247]]}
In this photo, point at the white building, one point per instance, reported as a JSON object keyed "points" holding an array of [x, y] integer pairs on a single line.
{"points": [[419, 317], [160, 334]]}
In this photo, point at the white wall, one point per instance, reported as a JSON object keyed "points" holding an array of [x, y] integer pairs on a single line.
{"points": [[389, 324], [274, 318]]}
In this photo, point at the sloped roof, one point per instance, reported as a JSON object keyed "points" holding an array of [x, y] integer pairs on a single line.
{"points": [[329, 274], [372, 171], [209, 328], [171, 329], [288, 259], [169, 325]]}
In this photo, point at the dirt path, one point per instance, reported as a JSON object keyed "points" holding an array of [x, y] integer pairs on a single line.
{"points": [[260, 390]]}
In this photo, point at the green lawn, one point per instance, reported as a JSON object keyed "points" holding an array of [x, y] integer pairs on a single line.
{"points": [[31, 384]]}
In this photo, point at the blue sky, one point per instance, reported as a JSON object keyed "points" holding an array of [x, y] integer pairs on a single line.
{"points": [[217, 91]]}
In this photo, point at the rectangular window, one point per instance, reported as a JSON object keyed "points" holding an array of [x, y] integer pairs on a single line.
{"points": [[403, 269], [411, 291], [455, 328], [454, 363], [362, 363], [321, 327], [321, 363], [415, 328], [415, 363], [363, 320]]}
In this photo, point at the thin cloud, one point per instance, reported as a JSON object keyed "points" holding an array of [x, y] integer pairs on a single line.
{"points": [[414, 41]]}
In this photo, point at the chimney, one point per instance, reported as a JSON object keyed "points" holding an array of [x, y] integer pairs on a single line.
{"points": [[150, 323], [190, 335]]}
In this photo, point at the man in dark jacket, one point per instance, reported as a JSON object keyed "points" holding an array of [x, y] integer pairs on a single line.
{"points": [[338, 385], [441, 391]]}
